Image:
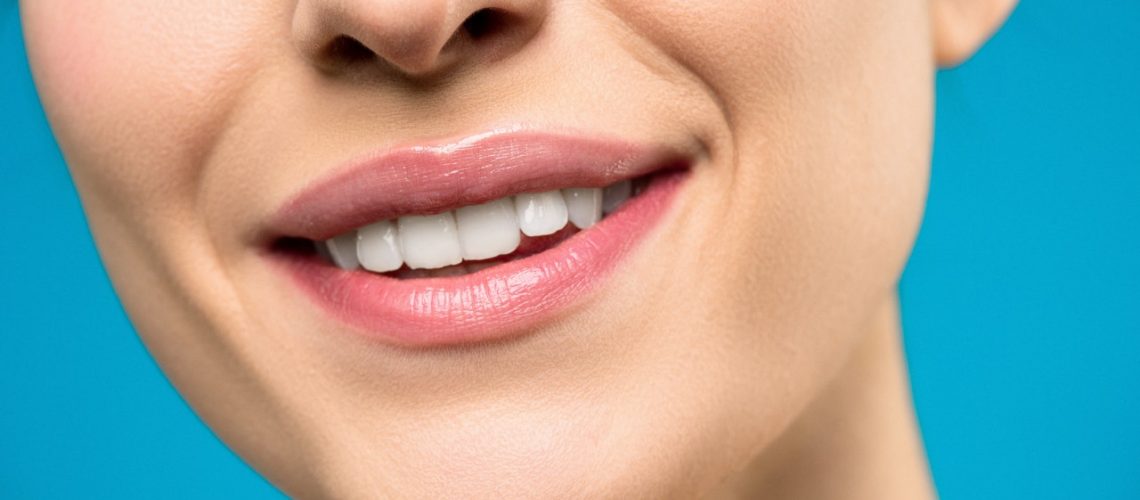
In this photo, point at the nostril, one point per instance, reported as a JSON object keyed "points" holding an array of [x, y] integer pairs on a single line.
{"points": [[485, 23], [346, 50], [410, 41]]}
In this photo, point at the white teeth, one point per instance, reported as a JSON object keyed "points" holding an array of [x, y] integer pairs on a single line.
{"points": [[429, 241], [342, 250], [378, 247], [487, 230], [541, 214], [614, 195], [473, 233], [584, 206]]}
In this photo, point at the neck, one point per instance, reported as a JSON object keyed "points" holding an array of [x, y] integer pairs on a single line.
{"points": [[858, 439]]}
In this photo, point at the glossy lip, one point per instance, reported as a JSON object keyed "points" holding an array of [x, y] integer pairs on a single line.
{"points": [[425, 179], [497, 302]]}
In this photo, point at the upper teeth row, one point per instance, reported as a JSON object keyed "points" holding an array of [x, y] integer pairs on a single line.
{"points": [[473, 232]]}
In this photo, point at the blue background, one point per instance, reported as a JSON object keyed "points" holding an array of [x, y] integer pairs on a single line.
{"points": [[1020, 303]]}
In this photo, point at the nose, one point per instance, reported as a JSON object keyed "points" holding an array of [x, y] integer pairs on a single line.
{"points": [[416, 38]]}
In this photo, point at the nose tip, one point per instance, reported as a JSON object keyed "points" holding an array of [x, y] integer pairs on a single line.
{"points": [[412, 37]]}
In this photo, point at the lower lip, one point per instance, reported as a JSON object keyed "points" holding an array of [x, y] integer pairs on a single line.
{"points": [[499, 302]]}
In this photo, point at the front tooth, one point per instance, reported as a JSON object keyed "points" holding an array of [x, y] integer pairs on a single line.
{"points": [[378, 247], [541, 214], [342, 250], [584, 205], [614, 195], [429, 241], [487, 230]]}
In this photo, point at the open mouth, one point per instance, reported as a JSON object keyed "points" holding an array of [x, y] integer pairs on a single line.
{"points": [[474, 240], [476, 237]]}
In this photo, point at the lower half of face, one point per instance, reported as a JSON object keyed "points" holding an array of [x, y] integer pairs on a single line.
{"points": [[551, 248]]}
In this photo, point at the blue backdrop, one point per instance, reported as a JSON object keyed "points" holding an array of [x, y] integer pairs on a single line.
{"points": [[1021, 303]]}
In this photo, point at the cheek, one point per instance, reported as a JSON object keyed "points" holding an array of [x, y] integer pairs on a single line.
{"points": [[134, 89], [820, 181], [828, 109]]}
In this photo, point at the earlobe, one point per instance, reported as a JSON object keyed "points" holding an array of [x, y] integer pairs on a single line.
{"points": [[960, 27]]}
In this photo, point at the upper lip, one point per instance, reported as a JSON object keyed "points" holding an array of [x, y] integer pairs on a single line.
{"points": [[435, 177]]}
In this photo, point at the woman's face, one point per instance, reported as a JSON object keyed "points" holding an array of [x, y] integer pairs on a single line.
{"points": [[655, 352]]}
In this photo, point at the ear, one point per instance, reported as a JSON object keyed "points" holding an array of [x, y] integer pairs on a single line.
{"points": [[960, 27]]}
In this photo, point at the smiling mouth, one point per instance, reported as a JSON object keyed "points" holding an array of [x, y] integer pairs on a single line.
{"points": [[476, 237], [473, 240]]}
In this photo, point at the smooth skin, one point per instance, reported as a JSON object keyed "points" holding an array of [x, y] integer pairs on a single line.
{"points": [[765, 363]]}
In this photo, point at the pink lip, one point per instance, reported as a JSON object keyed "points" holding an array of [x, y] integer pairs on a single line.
{"points": [[497, 302], [426, 179]]}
